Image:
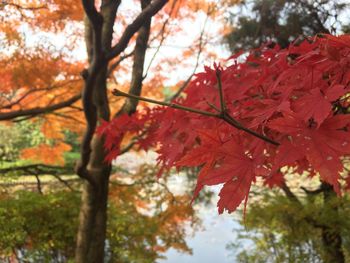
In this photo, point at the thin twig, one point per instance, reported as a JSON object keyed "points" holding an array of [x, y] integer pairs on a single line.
{"points": [[38, 184], [162, 33], [116, 63], [200, 49], [116, 92]]}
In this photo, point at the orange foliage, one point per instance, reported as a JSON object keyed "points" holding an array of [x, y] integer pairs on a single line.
{"points": [[41, 74], [152, 199], [46, 15], [47, 154]]}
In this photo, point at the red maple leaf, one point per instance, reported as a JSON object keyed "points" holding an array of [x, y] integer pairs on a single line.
{"points": [[322, 146], [317, 103]]}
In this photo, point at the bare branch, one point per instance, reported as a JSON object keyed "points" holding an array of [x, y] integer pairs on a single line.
{"points": [[313, 192], [131, 29], [90, 10], [115, 64], [39, 110], [40, 169], [137, 78], [163, 36]]}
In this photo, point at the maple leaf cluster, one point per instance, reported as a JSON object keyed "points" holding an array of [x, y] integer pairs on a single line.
{"points": [[298, 97]]}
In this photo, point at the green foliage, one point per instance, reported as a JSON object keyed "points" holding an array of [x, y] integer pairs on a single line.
{"points": [[16, 137], [282, 230], [38, 228], [72, 138], [144, 220], [282, 21], [26, 134]]}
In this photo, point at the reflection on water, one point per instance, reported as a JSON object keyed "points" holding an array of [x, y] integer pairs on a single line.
{"points": [[208, 244]]}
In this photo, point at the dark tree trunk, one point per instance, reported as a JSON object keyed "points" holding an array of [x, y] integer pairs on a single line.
{"points": [[91, 235], [93, 212]]}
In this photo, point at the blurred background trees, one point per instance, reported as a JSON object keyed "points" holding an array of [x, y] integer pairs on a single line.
{"points": [[255, 22]]}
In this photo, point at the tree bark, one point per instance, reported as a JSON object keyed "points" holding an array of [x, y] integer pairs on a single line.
{"points": [[93, 212], [92, 221], [137, 76], [91, 235]]}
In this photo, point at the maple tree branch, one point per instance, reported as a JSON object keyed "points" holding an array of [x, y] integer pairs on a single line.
{"points": [[313, 192], [13, 103], [229, 119], [39, 110], [115, 64], [31, 91], [291, 196], [31, 168], [93, 15], [40, 169], [132, 28], [116, 92], [223, 116], [226, 117]]}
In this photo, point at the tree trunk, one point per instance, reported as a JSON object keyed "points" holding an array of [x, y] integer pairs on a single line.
{"points": [[331, 237], [93, 212], [92, 223], [91, 235]]}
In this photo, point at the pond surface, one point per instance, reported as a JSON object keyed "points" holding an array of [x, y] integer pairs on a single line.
{"points": [[208, 244]]}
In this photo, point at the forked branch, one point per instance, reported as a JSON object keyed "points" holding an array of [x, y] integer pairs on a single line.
{"points": [[225, 116]]}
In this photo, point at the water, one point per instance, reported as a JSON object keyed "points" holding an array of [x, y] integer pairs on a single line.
{"points": [[208, 244]]}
